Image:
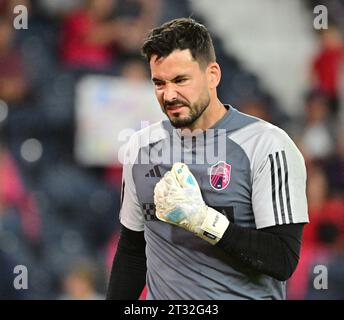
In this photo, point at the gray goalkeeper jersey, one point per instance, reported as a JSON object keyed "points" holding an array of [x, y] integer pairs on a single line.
{"points": [[248, 169]]}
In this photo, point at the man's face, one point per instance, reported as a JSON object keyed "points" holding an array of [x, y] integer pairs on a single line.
{"points": [[181, 87]]}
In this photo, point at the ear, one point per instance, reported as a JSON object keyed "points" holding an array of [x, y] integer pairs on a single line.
{"points": [[213, 74]]}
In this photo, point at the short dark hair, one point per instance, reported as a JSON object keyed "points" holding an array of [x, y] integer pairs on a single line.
{"points": [[182, 34]]}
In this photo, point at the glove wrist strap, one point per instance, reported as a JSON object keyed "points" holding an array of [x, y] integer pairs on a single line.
{"points": [[214, 226]]}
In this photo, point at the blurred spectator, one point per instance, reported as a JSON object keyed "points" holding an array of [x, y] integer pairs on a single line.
{"points": [[93, 38], [80, 283], [89, 33], [335, 167], [13, 81], [323, 235], [14, 195], [323, 209], [317, 132], [327, 65]]}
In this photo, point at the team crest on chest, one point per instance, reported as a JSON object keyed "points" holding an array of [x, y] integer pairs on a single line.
{"points": [[220, 175]]}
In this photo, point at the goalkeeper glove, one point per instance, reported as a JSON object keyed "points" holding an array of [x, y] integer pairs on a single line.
{"points": [[178, 200]]}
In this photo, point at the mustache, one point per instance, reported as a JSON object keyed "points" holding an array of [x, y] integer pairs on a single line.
{"points": [[175, 103]]}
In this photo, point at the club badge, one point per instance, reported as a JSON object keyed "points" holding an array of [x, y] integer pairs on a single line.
{"points": [[220, 175]]}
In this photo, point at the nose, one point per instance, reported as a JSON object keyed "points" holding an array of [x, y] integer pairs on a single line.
{"points": [[170, 93]]}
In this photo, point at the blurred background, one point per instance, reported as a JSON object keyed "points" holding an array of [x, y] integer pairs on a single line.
{"points": [[73, 87]]}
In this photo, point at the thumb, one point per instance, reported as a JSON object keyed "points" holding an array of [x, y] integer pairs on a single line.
{"points": [[184, 176]]}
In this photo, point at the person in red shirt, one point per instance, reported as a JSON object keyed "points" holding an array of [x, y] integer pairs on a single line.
{"points": [[327, 65], [89, 35]]}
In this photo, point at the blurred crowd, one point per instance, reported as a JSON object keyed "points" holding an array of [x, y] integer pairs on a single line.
{"points": [[60, 218], [319, 133]]}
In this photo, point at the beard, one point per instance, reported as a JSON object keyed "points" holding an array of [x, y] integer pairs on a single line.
{"points": [[195, 111]]}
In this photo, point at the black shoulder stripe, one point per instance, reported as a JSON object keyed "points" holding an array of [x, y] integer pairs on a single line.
{"points": [[273, 187], [280, 186], [287, 187], [122, 192], [279, 171]]}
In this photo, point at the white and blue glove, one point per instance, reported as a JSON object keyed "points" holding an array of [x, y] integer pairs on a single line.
{"points": [[178, 200]]}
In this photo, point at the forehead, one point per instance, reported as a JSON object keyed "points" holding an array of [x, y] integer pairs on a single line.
{"points": [[176, 63]]}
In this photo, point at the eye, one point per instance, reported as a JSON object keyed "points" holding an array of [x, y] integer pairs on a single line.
{"points": [[158, 84], [180, 81]]}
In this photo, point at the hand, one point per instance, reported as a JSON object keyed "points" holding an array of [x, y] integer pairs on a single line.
{"points": [[178, 200]]}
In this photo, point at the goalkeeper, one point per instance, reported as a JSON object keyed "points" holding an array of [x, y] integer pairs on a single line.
{"points": [[225, 229]]}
